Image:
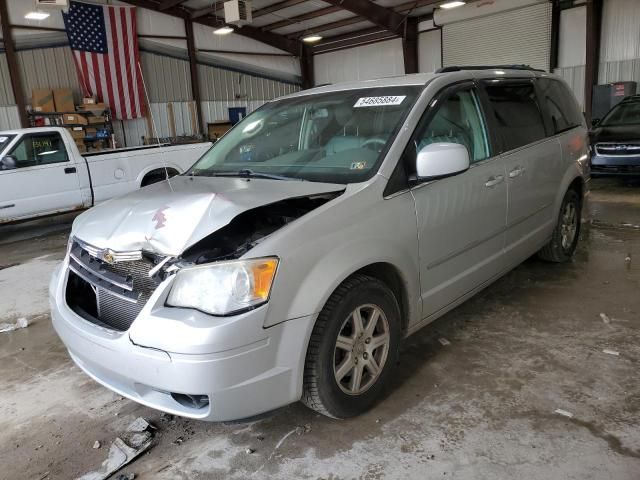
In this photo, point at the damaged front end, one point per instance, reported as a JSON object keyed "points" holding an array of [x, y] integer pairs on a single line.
{"points": [[110, 288]]}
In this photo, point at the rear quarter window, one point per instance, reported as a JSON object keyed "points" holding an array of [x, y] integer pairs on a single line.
{"points": [[559, 104]]}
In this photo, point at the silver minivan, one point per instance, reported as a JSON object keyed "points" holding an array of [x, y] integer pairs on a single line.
{"points": [[292, 259]]}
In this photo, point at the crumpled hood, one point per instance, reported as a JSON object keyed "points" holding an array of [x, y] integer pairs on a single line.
{"points": [[167, 218]]}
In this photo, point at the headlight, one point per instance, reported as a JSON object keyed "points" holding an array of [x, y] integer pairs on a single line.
{"points": [[225, 287]]}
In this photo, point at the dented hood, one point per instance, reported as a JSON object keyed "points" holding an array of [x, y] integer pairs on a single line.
{"points": [[168, 218]]}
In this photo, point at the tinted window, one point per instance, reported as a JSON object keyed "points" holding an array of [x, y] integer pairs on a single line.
{"points": [[39, 149], [560, 105], [458, 119], [517, 114]]}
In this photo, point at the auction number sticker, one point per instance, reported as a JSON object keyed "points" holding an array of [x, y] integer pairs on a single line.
{"points": [[380, 101]]}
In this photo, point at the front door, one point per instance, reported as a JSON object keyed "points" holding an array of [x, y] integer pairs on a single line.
{"points": [[44, 180], [460, 219]]}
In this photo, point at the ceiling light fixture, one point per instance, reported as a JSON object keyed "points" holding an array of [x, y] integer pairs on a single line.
{"points": [[37, 15], [312, 38], [223, 30], [452, 5]]}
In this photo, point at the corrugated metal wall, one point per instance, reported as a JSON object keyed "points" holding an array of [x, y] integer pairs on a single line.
{"points": [[48, 68], [167, 79], [620, 45], [169, 82], [6, 92], [220, 84]]}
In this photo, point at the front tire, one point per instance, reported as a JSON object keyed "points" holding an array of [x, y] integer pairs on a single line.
{"points": [[353, 348], [567, 231]]}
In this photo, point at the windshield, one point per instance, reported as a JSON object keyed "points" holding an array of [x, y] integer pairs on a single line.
{"points": [[622, 114], [338, 137]]}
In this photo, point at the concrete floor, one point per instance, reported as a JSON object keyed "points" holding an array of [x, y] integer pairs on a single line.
{"points": [[481, 407]]}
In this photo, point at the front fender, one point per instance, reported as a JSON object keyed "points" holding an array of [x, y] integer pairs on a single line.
{"points": [[321, 249]]}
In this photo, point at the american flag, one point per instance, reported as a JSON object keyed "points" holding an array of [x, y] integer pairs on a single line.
{"points": [[104, 42]]}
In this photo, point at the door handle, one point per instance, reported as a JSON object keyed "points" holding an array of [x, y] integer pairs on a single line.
{"points": [[516, 172], [493, 181], [3, 207], [69, 170]]}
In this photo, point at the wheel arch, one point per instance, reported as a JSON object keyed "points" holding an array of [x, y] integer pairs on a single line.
{"points": [[390, 275], [159, 171]]}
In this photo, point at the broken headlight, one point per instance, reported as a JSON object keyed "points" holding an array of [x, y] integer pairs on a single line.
{"points": [[223, 288]]}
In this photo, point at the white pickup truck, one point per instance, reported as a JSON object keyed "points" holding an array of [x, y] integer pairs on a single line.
{"points": [[42, 171]]}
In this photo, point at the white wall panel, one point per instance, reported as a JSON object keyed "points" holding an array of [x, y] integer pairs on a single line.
{"points": [[620, 38], [518, 36], [9, 118], [430, 51], [381, 59], [572, 37], [574, 76]]}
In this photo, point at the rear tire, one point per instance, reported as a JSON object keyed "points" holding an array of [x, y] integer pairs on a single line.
{"points": [[353, 348], [567, 231]]}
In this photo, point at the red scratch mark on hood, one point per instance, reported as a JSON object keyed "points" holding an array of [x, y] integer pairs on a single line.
{"points": [[160, 218]]}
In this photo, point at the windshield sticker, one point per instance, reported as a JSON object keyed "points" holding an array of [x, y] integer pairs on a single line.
{"points": [[379, 101], [3, 139], [358, 165]]}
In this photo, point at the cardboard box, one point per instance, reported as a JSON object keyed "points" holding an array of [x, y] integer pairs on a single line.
{"points": [[82, 148], [89, 100], [77, 133], [216, 129], [63, 100], [74, 118], [96, 119], [91, 131], [42, 100]]}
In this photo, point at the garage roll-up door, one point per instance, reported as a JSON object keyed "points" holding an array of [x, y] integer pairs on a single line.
{"points": [[498, 36]]}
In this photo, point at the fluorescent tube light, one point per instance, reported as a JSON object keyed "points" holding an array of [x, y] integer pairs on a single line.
{"points": [[452, 5], [36, 15], [312, 39], [223, 31]]}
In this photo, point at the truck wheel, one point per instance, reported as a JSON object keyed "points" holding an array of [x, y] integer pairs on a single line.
{"points": [[353, 348], [565, 236]]}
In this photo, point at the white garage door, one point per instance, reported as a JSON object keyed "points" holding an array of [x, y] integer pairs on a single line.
{"points": [[519, 36]]}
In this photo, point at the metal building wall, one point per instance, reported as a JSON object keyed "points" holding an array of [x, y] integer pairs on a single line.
{"points": [[221, 89], [169, 82], [572, 50], [620, 42], [167, 79], [8, 111], [48, 68]]}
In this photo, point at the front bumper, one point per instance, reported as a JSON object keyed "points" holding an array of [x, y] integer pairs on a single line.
{"points": [[615, 165], [243, 368]]}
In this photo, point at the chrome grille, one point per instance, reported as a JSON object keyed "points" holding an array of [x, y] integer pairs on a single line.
{"points": [[618, 149], [121, 289]]}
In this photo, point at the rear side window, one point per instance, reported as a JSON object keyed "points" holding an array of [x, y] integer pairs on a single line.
{"points": [[516, 113], [560, 105]]}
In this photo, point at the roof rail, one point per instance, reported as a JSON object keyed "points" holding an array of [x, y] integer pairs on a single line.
{"points": [[458, 68]]}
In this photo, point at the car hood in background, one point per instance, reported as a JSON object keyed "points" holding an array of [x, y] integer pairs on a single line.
{"points": [[168, 217], [623, 133]]}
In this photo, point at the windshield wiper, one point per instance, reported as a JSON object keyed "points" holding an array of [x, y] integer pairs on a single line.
{"points": [[246, 173]]}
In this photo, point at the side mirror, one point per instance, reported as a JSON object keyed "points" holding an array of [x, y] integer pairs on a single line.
{"points": [[595, 122], [8, 162], [439, 160]]}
